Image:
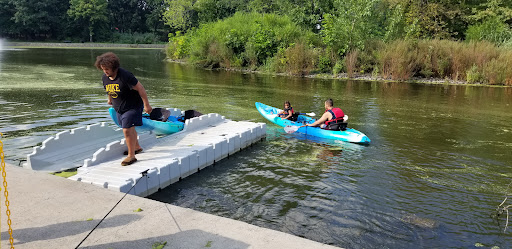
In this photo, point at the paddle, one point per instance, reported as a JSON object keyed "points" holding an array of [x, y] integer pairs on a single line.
{"points": [[292, 128], [312, 114]]}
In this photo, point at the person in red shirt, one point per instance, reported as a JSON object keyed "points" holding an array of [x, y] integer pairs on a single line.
{"points": [[331, 115]]}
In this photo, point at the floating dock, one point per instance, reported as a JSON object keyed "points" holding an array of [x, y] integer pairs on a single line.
{"points": [[203, 141]]}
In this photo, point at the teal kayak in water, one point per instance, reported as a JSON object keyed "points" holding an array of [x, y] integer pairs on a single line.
{"points": [[348, 135], [172, 125]]}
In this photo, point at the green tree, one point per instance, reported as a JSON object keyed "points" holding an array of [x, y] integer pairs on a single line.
{"points": [[306, 13], [155, 15], [352, 25], [130, 15], [213, 10], [492, 9], [7, 25], [92, 11], [185, 14], [39, 18], [490, 22], [180, 14]]}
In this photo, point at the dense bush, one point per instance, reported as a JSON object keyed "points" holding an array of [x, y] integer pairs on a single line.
{"points": [[493, 30], [245, 39]]}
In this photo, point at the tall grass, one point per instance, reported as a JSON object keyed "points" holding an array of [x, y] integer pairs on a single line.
{"points": [[350, 62], [476, 62]]}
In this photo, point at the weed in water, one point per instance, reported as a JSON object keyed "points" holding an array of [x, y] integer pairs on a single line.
{"points": [[159, 245], [66, 174]]}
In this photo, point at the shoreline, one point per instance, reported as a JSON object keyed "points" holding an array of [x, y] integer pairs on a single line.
{"points": [[344, 76], [81, 45], [341, 76]]}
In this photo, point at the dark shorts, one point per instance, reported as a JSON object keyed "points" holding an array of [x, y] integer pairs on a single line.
{"points": [[130, 118]]}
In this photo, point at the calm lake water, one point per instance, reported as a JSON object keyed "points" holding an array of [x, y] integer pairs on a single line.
{"points": [[437, 168]]}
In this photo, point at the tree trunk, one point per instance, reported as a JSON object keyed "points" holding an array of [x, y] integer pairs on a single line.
{"points": [[90, 33]]}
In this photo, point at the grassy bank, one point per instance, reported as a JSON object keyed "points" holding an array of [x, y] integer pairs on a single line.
{"points": [[274, 44]]}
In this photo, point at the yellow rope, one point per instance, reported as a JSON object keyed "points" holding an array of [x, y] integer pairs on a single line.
{"points": [[6, 193]]}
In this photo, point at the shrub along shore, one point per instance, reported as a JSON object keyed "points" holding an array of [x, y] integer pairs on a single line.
{"points": [[274, 44]]}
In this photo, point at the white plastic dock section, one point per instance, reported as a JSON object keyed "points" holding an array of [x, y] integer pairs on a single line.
{"points": [[67, 149], [203, 141]]}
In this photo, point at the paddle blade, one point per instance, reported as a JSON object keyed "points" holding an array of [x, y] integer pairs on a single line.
{"points": [[312, 114], [291, 128]]}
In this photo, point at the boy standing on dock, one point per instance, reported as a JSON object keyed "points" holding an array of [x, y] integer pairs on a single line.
{"points": [[128, 97]]}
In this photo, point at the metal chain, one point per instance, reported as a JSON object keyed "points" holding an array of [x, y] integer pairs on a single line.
{"points": [[6, 193]]}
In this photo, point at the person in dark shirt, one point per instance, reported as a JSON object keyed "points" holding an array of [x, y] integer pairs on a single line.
{"points": [[128, 97], [287, 112]]}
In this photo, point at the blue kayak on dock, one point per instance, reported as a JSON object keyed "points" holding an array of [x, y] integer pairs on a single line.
{"points": [[348, 135], [172, 125]]}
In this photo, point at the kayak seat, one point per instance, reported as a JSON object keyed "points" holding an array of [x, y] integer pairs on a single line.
{"points": [[192, 114], [294, 117], [340, 126], [159, 114]]}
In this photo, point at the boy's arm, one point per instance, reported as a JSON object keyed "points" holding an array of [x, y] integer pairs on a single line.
{"points": [[142, 92]]}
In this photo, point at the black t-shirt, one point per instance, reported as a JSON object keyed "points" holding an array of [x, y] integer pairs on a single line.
{"points": [[124, 98]]}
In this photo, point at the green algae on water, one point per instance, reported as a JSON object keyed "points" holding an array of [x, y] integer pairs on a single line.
{"points": [[159, 245], [66, 173]]}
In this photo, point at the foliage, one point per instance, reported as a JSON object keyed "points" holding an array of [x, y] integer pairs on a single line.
{"points": [[213, 10], [178, 46], [350, 27], [367, 59], [473, 75], [135, 38], [338, 68], [71, 19], [247, 39], [130, 16], [298, 59], [474, 62], [180, 15], [34, 18], [350, 62], [92, 11], [498, 70], [183, 15], [492, 9], [7, 12], [395, 23], [325, 61], [493, 30], [427, 20]]}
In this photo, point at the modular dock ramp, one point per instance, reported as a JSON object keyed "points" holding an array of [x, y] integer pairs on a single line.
{"points": [[203, 141]]}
